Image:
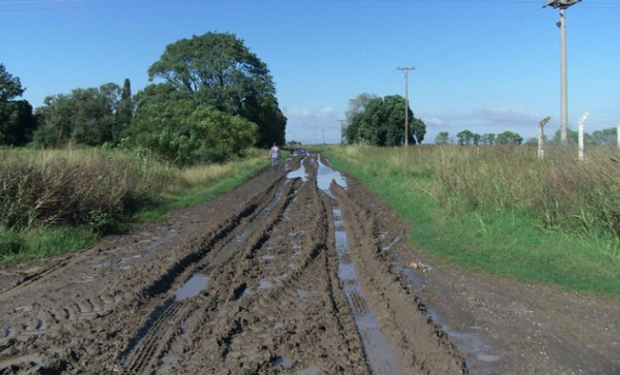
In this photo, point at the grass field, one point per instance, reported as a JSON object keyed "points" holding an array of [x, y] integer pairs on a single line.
{"points": [[503, 211], [54, 202]]}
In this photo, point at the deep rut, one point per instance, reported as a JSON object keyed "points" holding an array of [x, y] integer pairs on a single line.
{"points": [[269, 280]]}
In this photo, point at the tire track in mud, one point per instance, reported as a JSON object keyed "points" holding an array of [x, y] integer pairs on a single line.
{"points": [[158, 331], [279, 286]]}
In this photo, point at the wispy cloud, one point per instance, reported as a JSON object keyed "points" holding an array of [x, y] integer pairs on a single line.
{"points": [[508, 115]]}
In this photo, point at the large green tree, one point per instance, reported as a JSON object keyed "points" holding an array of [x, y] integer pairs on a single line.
{"points": [[219, 71], [382, 123], [172, 125], [16, 119]]}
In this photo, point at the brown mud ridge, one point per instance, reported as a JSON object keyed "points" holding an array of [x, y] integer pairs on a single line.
{"points": [[290, 273]]}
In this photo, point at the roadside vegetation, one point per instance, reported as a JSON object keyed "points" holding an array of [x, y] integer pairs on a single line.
{"points": [[53, 202], [88, 162], [505, 212]]}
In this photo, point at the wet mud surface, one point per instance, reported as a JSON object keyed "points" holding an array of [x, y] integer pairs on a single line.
{"points": [[299, 271]]}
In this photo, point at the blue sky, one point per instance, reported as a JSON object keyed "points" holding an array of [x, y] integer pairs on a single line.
{"points": [[486, 66]]}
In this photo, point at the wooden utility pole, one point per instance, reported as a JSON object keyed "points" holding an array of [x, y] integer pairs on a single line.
{"points": [[406, 70]]}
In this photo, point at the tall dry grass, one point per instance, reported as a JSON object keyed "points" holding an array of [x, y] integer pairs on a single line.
{"points": [[561, 191], [76, 186]]}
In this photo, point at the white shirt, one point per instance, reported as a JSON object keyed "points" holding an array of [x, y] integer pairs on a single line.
{"points": [[274, 152]]}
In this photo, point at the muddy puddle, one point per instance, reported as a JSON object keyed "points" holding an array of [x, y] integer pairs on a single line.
{"points": [[191, 288]]}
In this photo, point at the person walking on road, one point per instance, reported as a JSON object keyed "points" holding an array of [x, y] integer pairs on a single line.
{"points": [[275, 155]]}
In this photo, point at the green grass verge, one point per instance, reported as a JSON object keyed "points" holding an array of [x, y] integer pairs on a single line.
{"points": [[509, 245]]}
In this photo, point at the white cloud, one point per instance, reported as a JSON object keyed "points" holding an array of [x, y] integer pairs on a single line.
{"points": [[310, 125], [432, 121]]}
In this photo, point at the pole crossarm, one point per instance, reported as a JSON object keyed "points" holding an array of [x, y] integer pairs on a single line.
{"points": [[561, 4]]}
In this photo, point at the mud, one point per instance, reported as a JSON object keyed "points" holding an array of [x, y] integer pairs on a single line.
{"points": [[251, 283], [299, 271]]}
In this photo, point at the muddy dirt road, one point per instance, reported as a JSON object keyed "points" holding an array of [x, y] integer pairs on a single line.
{"points": [[260, 281], [290, 273]]}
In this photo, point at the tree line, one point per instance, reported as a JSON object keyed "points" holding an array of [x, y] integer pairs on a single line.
{"points": [[467, 137], [212, 99]]}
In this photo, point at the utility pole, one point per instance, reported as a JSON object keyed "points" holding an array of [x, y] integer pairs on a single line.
{"points": [[342, 131], [563, 5], [406, 70], [323, 130]]}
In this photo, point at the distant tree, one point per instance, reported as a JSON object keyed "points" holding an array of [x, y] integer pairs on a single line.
{"points": [[464, 137], [219, 71], [85, 116], [476, 139], [605, 136], [16, 119], [356, 106], [442, 138], [573, 137], [488, 139], [382, 123], [532, 141], [509, 138]]}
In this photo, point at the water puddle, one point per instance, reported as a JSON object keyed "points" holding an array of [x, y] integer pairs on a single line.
{"points": [[411, 277], [299, 172], [264, 284], [380, 356], [283, 361], [325, 175], [192, 287], [268, 257]]}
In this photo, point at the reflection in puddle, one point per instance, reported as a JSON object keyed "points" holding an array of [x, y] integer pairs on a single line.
{"points": [[283, 361], [264, 284], [192, 287], [325, 175], [299, 172]]}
